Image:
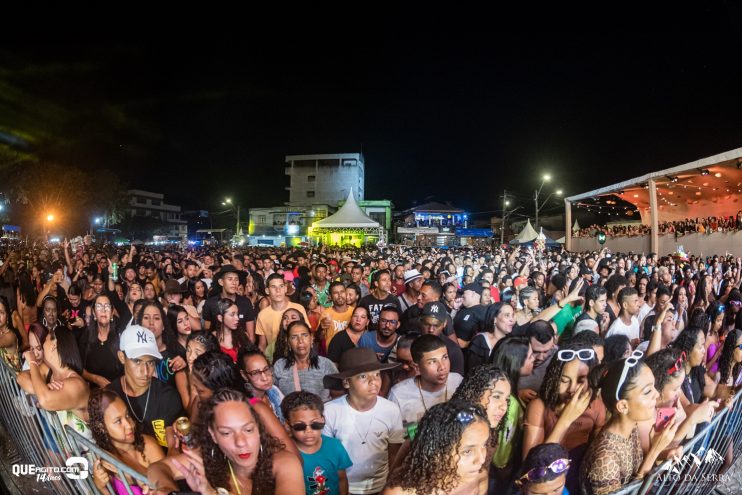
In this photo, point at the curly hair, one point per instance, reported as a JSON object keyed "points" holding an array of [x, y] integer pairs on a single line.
{"points": [[660, 363], [726, 361], [480, 379], [430, 467], [98, 403], [215, 462], [549, 392]]}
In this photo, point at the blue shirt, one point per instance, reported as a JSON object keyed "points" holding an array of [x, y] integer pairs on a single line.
{"points": [[321, 468], [368, 341]]}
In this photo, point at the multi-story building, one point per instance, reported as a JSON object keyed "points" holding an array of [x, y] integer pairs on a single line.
{"points": [[324, 179], [164, 219], [284, 225]]}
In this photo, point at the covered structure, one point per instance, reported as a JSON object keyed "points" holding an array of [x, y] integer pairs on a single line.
{"points": [[528, 234], [348, 226], [702, 188]]}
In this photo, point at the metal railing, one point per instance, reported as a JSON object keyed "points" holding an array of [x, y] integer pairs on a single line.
{"points": [[42, 442], [699, 472]]}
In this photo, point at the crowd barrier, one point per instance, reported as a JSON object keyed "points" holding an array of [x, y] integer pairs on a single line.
{"points": [[42, 442], [49, 455]]}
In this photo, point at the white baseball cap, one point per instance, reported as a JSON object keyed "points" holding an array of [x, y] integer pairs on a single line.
{"points": [[137, 341]]}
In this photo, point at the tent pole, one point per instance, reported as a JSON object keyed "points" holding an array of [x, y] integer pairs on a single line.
{"points": [[654, 243], [568, 221]]}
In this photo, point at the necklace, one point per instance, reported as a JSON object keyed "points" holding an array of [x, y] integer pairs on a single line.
{"points": [[420, 389], [362, 437], [234, 479], [146, 403]]}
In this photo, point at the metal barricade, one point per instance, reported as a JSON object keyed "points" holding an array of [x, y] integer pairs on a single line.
{"points": [[123, 472], [702, 466], [42, 442]]}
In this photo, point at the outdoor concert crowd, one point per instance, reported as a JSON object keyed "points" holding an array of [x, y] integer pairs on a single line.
{"points": [[706, 225], [395, 370]]}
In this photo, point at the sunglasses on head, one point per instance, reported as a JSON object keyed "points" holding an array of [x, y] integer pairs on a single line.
{"points": [[630, 362], [582, 354], [316, 425], [678, 365], [559, 466]]}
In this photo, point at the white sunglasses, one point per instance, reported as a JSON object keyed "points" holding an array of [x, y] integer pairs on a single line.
{"points": [[630, 362], [567, 355]]}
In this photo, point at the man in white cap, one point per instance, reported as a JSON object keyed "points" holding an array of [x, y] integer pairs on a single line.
{"points": [[413, 280], [151, 402]]}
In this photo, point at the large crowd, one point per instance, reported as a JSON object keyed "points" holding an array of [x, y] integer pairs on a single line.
{"points": [[698, 225], [395, 370]]}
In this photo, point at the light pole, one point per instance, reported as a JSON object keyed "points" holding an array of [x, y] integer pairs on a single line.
{"points": [[505, 215], [546, 178], [228, 202], [49, 220]]}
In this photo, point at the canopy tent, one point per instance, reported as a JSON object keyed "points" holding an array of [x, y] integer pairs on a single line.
{"points": [[707, 187], [348, 225], [528, 234]]}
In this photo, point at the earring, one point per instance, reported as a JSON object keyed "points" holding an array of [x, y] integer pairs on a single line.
{"points": [[261, 449], [43, 321], [212, 451]]}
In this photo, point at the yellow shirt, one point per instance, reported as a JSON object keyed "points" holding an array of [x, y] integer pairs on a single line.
{"points": [[268, 324], [340, 322]]}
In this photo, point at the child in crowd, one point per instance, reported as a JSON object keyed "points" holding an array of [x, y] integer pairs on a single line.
{"points": [[325, 458], [369, 426]]}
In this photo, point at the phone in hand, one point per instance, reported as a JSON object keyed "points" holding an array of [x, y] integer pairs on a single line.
{"points": [[664, 415]]}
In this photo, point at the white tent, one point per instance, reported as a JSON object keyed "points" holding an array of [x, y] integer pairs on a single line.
{"points": [[575, 227], [350, 215], [526, 235]]}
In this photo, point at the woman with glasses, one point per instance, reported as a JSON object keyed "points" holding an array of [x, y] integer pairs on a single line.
{"points": [[545, 470], [258, 375], [448, 454], [99, 345], [615, 457], [566, 410], [302, 368]]}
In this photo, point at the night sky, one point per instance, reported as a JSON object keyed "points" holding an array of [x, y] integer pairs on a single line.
{"points": [[437, 117]]}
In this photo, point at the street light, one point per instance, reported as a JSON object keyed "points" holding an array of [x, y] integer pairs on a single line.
{"points": [[50, 218], [544, 179]]}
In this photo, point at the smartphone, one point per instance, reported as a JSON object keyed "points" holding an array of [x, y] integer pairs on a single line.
{"points": [[664, 415]]}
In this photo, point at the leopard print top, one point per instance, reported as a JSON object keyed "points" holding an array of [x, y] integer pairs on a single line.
{"points": [[611, 461]]}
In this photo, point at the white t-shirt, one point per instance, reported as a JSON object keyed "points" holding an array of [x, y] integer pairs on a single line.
{"points": [[366, 436], [619, 328], [644, 311], [406, 395]]}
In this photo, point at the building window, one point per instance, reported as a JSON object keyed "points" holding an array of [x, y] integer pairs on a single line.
{"points": [[261, 219], [310, 194], [310, 178], [156, 202]]}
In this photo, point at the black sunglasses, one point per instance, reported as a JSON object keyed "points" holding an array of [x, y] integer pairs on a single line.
{"points": [[316, 425]]}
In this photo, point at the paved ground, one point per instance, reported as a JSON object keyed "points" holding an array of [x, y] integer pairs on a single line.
{"points": [[733, 483]]}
